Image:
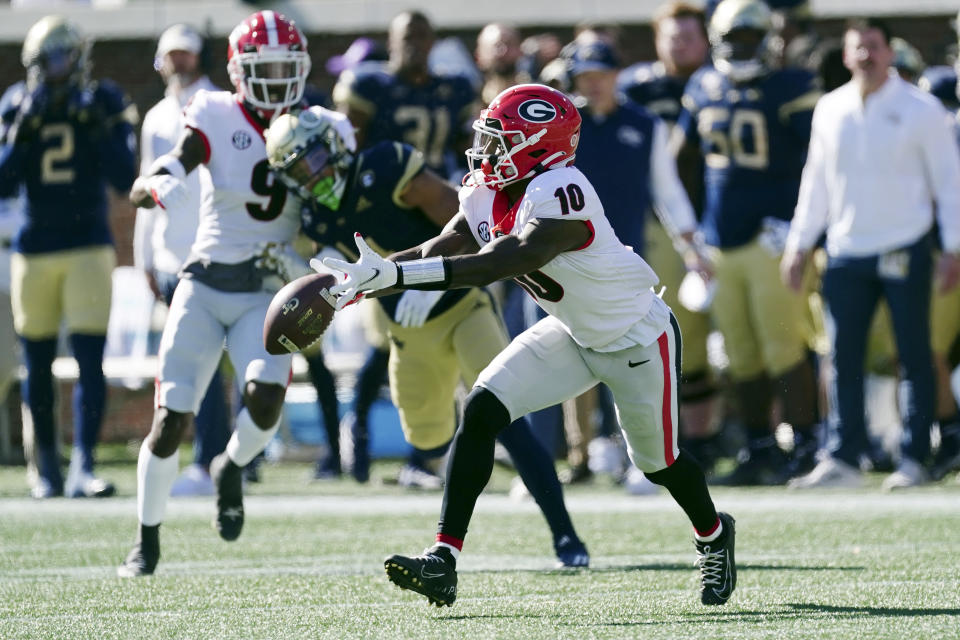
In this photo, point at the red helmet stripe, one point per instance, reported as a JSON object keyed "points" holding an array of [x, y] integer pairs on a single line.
{"points": [[270, 22]]}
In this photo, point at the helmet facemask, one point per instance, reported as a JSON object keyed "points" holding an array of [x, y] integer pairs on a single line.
{"points": [[740, 54], [272, 79], [318, 170], [491, 159]]}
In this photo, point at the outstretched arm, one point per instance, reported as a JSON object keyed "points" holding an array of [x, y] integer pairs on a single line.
{"points": [[185, 157]]}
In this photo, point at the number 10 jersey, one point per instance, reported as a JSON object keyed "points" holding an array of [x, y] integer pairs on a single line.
{"points": [[602, 291], [241, 203]]}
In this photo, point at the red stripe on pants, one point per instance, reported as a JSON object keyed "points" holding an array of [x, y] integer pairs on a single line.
{"points": [[664, 343]]}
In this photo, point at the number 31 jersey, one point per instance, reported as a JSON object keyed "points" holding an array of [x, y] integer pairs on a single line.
{"points": [[241, 204], [753, 137], [601, 292]]}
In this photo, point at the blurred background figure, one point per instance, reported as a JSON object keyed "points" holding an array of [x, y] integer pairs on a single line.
{"points": [[624, 152], [907, 60], [163, 236], [751, 125], [67, 139], [360, 51], [11, 219], [878, 243], [498, 52]]}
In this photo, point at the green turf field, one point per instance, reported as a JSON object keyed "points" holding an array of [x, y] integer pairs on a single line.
{"points": [[832, 564]]}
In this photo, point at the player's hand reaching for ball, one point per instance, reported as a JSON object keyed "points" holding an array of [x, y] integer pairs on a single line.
{"points": [[370, 273]]}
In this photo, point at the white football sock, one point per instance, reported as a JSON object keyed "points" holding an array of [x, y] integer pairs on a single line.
{"points": [[155, 477], [248, 439]]}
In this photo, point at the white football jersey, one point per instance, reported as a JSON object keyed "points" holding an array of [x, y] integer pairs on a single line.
{"points": [[602, 291], [241, 205]]}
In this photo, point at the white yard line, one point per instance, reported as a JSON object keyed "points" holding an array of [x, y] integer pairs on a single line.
{"points": [[819, 502]]}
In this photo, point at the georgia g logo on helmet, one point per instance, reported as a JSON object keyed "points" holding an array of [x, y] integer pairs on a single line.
{"points": [[537, 110]]}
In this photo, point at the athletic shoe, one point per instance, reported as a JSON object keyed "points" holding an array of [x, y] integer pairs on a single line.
{"points": [[908, 474], [571, 553], [412, 476], [829, 472], [765, 467], [194, 480], [43, 489], [228, 480], [87, 485], [638, 484], [944, 462], [142, 559], [576, 474], [718, 567], [432, 574], [328, 467]]}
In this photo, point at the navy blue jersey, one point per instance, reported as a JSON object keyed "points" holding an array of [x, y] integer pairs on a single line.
{"points": [[429, 117], [371, 205], [66, 155], [614, 154], [648, 84], [753, 137]]}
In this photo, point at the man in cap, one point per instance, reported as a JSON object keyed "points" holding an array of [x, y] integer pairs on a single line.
{"points": [[162, 237]]}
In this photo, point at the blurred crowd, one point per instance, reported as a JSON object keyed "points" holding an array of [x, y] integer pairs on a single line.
{"points": [[819, 329]]}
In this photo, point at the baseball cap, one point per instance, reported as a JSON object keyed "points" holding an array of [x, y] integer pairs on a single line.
{"points": [[360, 50], [596, 56], [179, 37]]}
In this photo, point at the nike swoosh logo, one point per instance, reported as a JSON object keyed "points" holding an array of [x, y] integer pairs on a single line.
{"points": [[727, 579], [428, 575], [636, 364]]}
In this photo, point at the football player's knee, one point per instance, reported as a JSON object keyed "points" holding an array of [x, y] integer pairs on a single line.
{"points": [[167, 431], [484, 413], [264, 401]]}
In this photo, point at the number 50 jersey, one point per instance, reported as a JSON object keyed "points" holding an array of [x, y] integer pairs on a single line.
{"points": [[753, 137], [241, 204], [601, 292]]}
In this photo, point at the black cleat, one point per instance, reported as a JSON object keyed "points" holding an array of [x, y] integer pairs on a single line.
{"points": [[571, 553], [718, 567], [433, 574], [142, 559], [765, 467], [228, 480]]}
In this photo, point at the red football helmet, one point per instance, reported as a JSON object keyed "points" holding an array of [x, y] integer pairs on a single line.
{"points": [[268, 62], [526, 130]]}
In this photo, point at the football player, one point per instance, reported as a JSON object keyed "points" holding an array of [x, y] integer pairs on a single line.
{"points": [[680, 37], [751, 125], [526, 213], [65, 138], [405, 101], [239, 259], [436, 337]]}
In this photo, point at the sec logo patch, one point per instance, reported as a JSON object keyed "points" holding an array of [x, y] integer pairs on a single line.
{"points": [[241, 139], [483, 230], [537, 110]]}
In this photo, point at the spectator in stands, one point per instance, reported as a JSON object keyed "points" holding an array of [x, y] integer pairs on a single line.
{"points": [[67, 137], [881, 153], [162, 237], [497, 53], [623, 151]]}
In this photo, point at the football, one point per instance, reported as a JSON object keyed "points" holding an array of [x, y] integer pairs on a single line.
{"points": [[299, 314]]}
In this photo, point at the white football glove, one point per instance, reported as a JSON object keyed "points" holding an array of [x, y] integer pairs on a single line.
{"points": [[167, 191], [281, 259], [370, 273], [414, 307]]}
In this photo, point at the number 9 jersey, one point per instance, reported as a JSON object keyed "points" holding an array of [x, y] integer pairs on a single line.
{"points": [[242, 205], [600, 292], [753, 137]]}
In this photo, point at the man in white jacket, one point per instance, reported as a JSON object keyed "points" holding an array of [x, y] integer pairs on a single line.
{"points": [[881, 154], [162, 237]]}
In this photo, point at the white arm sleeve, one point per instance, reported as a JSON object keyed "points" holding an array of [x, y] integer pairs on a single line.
{"points": [[670, 201], [143, 226], [941, 158], [810, 217]]}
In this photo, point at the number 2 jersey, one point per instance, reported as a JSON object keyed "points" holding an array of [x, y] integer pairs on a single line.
{"points": [[753, 137], [602, 291], [241, 203]]}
